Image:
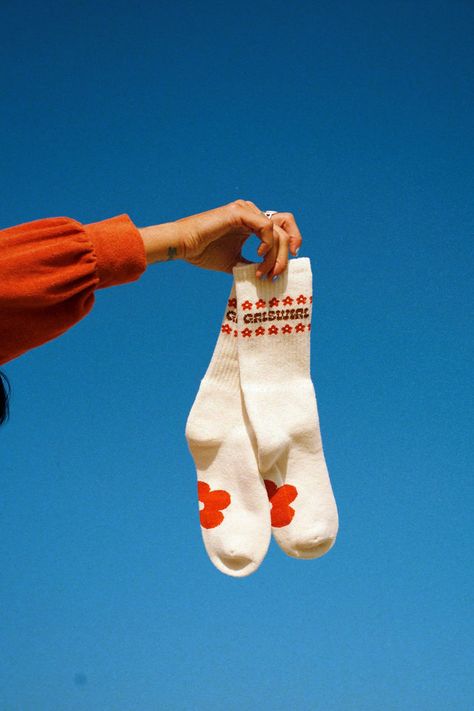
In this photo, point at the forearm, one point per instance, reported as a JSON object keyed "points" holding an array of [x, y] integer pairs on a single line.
{"points": [[163, 242]]}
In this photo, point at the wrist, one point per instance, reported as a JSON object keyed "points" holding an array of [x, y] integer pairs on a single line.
{"points": [[163, 243]]}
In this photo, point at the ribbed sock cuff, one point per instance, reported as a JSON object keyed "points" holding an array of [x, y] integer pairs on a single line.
{"points": [[224, 366], [295, 266]]}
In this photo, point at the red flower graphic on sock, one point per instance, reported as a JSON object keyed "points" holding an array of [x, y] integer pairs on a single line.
{"points": [[235, 334], [299, 328], [260, 304], [211, 515], [301, 299], [273, 330], [247, 305], [310, 299], [260, 331], [280, 498], [287, 301], [274, 301], [225, 328], [232, 303], [286, 328], [246, 333], [309, 327]]}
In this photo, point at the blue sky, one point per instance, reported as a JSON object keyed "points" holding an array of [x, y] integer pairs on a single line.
{"points": [[358, 117]]}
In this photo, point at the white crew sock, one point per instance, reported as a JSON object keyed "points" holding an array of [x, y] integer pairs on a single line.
{"points": [[234, 508], [274, 320]]}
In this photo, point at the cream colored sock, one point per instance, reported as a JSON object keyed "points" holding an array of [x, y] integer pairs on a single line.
{"points": [[274, 321], [234, 508]]}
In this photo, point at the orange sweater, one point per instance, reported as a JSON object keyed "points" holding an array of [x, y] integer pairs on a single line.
{"points": [[50, 269]]}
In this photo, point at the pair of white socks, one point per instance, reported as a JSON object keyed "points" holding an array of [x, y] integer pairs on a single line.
{"points": [[253, 430]]}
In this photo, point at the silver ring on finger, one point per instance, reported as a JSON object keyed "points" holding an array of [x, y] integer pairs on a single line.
{"points": [[270, 213]]}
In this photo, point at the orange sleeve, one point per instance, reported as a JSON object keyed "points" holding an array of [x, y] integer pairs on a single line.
{"points": [[50, 269]]}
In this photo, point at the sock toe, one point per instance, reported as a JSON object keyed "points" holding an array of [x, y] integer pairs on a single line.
{"points": [[311, 546], [236, 564]]}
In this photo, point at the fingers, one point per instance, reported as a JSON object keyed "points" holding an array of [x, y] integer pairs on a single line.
{"points": [[264, 268], [250, 216], [287, 221], [278, 235], [281, 261]]}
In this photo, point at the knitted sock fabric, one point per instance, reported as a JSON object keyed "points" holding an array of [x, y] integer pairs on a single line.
{"points": [[274, 321], [234, 508]]}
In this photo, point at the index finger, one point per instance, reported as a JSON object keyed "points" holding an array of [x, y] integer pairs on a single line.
{"points": [[287, 221], [263, 228]]}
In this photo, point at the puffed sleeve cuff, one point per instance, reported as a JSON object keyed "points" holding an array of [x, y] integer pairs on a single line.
{"points": [[119, 250]]}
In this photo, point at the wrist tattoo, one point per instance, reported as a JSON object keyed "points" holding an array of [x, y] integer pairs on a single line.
{"points": [[172, 253]]}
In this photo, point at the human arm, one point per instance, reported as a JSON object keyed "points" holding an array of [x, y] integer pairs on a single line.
{"points": [[214, 239], [51, 268]]}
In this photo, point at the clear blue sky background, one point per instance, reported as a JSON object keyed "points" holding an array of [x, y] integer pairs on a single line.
{"points": [[358, 117]]}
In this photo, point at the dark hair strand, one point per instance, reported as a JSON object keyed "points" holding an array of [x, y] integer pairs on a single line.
{"points": [[5, 390]]}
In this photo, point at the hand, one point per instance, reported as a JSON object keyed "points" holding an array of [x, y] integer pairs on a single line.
{"points": [[214, 239]]}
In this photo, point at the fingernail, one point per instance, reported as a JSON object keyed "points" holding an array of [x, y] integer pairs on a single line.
{"points": [[275, 278], [263, 277]]}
